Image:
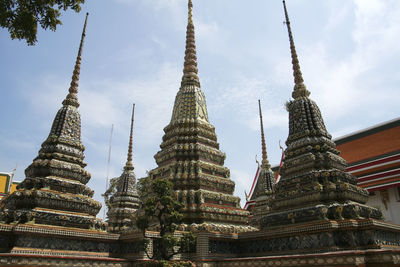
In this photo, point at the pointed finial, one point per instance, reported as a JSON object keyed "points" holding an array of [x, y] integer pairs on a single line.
{"points": [[264, 162], [300, 89], [72, 97], [190, 10], [129, 164], [190, 66]]}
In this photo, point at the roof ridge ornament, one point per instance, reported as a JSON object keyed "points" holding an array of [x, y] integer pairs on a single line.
{"points": [[72, 97], [300, 89]]}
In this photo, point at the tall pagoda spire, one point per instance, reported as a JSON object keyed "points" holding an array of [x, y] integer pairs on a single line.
{"points": [[125, 201], [314, 184], [300, 89], [54, 191], [259, 199], [72, 97], [264, 162], [129, 164], [190, 69], [190, 102], [190, 155]]}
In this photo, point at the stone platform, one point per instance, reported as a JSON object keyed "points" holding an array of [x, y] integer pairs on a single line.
{"points": [[351, 258], [364, 242], [40, 245]]}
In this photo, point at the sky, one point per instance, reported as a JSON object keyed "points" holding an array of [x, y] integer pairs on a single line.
{"points": [[133, 53]]}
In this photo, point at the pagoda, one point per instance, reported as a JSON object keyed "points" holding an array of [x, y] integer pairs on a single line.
{"points": [[191, 159], [54, 191], [318, 215], [263, 186], [125, 202], [313, 184]]}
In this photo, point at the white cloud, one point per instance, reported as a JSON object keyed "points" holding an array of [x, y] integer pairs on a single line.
{"points": [[243, 180], [339, 11], [50, 90], [105, 102], [15, 142], [344, 85], [154, 3], [174, 9], [243, 95]]}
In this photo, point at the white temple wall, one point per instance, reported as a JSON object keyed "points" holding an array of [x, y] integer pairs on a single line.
{"points": [[391, 210]]}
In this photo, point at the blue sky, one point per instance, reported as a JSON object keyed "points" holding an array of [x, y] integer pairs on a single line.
{"points": [[134, 51]]}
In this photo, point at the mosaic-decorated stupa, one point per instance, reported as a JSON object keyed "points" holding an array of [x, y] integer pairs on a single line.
{"points": [[54, 191], [313, 184], [318, 215], [125, 201], [190, 155]]}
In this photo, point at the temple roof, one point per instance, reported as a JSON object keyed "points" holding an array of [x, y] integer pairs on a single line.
{"points": [[373, 155]]}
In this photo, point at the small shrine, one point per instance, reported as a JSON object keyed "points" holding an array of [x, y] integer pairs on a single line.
{"points": [[124, 202], [263, 187]]}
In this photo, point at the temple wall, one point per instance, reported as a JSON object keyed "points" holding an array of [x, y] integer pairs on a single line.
{"points": [[392, 200], [378, 143], [32, 260]]}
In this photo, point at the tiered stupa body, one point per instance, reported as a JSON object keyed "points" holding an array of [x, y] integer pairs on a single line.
{"points": [[54, 191], [264, 185], [313, 184], [125, 202], [190, 155], [317, 208]]}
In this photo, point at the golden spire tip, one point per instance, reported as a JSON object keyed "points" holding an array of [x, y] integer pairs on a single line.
{"points": [[264, 162], [72, 97], [300, 89], [129, 164]]}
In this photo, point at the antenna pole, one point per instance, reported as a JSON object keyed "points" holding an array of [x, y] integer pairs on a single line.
{"points": [[108, 166]]}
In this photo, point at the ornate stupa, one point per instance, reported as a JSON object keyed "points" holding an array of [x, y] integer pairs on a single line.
{"points": [[125, 202], [264, 183], [314, 184], [191, 159], [54, 191]]}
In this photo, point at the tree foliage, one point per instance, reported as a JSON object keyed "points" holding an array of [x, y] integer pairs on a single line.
{"points": [[21, 17], [162, 210]]}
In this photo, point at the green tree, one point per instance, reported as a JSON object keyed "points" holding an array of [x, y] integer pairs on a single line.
{"points": [[162, 210], [21, 17]]}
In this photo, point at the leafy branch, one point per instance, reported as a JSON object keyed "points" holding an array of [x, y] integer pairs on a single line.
{"points": [[162, 211]]}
